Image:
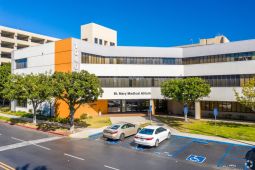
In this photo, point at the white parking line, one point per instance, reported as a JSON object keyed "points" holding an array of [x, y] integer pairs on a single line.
{"points": [[31, 143], [74, 156], [110, 167], [27, 143]]}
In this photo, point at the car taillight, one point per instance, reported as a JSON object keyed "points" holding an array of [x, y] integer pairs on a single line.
{"points": [[149, 138], [114, 132], [136, 137]]}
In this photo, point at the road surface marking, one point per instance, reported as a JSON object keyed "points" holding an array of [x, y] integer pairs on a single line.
{"points": [[27, 143], [6, 167], [31, 143], [110, 167], [74, 156]]}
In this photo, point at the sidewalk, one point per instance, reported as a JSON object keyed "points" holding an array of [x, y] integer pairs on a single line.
{"points": [[212, 120]]}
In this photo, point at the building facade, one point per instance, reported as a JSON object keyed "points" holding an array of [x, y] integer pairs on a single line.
{"points": [[14, 39], [98, 34], [131, 76]]}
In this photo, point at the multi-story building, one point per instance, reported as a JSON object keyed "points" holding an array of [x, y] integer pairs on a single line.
{"points": [[131, 76], [14, 39]]}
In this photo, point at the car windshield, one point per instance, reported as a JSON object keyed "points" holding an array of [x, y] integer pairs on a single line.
{"points": [[145, 131], [114, 127]]}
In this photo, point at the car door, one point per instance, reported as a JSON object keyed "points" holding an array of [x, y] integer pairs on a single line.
{"points": [[161, 134], [124, 129], [158, 134], [132, 129], [164, 133]]}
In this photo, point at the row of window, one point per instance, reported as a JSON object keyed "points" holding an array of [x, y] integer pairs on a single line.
{"points": [[223, 106], [97, 59], [100, 42], [220, 58], [214, 81]]}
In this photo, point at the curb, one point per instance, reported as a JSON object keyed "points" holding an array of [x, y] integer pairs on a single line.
{"points": [[50, 132]]}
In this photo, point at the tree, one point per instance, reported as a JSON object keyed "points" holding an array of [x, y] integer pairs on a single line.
{"points": [[35, 89], [185, 90], [247, 96], [5, 72], [75, 89]]}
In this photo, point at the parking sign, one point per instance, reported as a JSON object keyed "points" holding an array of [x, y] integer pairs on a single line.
{"points": [[196, 158]]}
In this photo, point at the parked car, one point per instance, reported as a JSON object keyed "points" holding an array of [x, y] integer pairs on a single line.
{"points": [[152, 135], [120, 130]]}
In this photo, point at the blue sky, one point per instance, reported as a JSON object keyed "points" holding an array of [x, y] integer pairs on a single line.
{"points": [[138, 22]]}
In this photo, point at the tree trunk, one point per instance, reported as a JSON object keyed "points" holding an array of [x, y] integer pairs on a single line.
{"points": [[34, 112], [72, 119]]}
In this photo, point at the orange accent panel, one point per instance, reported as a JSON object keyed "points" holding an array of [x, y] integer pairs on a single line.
{"points": [[63, 55], [91, 109]]}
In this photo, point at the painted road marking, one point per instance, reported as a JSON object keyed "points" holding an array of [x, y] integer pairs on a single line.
{"points": [[31, 143], [195, 158], [74, 156], [6, 167], [27, 143], [110, 167]]}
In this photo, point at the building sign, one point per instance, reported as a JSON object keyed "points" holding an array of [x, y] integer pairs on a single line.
{"points": [[130, 93]]}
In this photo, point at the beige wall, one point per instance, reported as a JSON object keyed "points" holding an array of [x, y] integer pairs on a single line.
{"points": [[92, 30]]}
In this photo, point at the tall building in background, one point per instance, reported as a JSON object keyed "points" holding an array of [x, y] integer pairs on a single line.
{"points": [[14, 39], [97, 34]]}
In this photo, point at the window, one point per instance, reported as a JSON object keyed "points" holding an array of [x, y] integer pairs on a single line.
{"points": [[21, 103], [96, 40], [112, 44], [21, 63], [100, 41], [105, 42]]}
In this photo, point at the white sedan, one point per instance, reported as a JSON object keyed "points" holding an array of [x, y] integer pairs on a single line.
{"points": [[152, 135]]}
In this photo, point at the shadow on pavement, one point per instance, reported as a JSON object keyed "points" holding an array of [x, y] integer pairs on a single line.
{"points": [[26, 167]]}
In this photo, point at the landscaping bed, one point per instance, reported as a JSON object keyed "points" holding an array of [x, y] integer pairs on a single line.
{"points": [[54, 124], [237, 131]]}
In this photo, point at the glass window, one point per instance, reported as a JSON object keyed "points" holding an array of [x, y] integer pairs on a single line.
{"points": [[95, 40], [21, 63]]}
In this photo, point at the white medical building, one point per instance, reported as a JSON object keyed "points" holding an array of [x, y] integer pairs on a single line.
{"points": [[131, 76]]}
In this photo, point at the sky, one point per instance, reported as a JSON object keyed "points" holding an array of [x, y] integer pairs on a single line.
{"points": [[138, 22]]}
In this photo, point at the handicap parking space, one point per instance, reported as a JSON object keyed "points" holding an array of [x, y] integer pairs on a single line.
{"points": [[204, 152]]}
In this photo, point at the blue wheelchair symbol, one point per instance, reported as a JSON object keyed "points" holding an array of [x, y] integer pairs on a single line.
{"points": [[195, 158]]}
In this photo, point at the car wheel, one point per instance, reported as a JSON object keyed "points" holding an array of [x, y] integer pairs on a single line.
{"points": [[169, 135], [122, 136], [157, 143]]}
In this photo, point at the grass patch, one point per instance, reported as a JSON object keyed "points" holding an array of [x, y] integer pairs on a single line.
{"points": [[97, 121], [221, 129], [144, 124]]}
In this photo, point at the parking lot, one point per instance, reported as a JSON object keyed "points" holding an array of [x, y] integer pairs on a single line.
{"points": [[203, 152]]}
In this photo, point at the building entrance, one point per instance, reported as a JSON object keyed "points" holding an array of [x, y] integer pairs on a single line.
{"points": [[134, 106]]}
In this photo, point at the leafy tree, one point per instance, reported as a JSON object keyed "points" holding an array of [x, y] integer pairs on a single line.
{"points": [[5, 72], [75, 89], [35, 89], [247, 96], [185, 90]]}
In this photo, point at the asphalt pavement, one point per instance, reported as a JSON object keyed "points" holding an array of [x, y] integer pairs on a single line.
{"points": [[25, 149]]}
